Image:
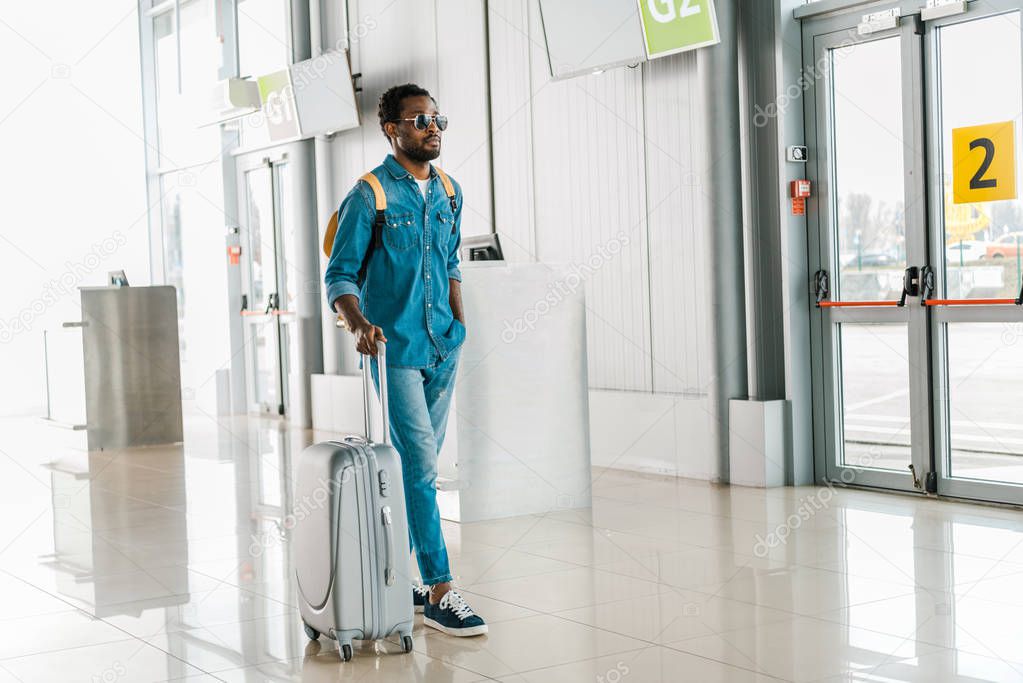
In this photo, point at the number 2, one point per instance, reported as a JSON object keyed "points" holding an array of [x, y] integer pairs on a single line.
{"points": [[687, 10], [668, 13], [978, 181]]}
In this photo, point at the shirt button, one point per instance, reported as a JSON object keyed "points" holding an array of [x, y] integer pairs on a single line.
{"points": [[428, 305]]}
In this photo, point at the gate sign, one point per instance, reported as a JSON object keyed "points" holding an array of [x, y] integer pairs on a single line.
{"points": [[671, 26], [984, 163], [278, 97]]}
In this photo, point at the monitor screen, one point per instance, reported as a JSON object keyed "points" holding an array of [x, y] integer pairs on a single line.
{"points": [[482, 248], [584, 36]]}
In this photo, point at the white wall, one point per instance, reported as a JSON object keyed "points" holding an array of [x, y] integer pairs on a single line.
{"points": [[603, 171], [73, 177], [577, 161], [438, 44], [604, 153]]}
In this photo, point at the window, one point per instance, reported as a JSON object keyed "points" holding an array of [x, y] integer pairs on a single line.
{"points": [[264, 46], [264, 36], [184, 82], [190, 217]]}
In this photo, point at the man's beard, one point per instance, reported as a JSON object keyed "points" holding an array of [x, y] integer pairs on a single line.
{"points": [[421, 153]]}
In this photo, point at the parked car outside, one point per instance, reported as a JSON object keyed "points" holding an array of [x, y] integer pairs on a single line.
{"points": [[1006, 246]]}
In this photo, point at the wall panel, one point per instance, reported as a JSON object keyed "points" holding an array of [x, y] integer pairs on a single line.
{"points": [[574, 165], [510, 54], [678, 237], [590, 199], [461, 91]]}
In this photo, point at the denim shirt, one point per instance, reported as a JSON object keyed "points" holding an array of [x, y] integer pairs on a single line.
{"points": [[406, 288]]}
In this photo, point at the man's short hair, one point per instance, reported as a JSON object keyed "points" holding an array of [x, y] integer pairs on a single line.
{"points": [[389, 108]]}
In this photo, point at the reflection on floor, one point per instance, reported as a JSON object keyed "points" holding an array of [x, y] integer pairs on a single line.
{"points": [[167, 563]]}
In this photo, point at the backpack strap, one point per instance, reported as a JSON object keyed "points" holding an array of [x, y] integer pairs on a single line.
{"points": [[328, 237], [378, 221], [380, 204], [449, 190]]}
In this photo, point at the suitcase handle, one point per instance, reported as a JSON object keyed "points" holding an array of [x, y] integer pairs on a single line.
{"points": [[367, 391], [389, 533]]}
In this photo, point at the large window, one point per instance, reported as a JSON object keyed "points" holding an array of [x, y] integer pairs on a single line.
{"points": [[185, 78], [187, 55], [264, 36], [264, 46]]}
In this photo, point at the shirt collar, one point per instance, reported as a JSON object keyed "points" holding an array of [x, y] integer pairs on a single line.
{"points": [[398, 171]]}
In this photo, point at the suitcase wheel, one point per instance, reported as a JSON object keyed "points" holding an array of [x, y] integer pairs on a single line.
{"points": [[406, 643], [311, 632], [346, 652]]}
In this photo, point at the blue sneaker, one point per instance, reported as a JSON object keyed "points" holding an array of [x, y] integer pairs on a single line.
{"points": [[420, 596], [453, 616]]}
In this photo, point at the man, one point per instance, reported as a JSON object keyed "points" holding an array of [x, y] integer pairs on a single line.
{"points": [[407, 292]]}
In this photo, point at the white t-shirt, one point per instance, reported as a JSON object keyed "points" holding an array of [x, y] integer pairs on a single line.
{"points": [[422, 185]]}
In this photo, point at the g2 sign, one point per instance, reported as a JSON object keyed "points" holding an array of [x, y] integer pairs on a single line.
{"points": [[671, 26]]}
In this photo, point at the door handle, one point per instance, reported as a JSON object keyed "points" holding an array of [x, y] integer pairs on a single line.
{"points": [[821, 286], [910, 284], [927, 281]]}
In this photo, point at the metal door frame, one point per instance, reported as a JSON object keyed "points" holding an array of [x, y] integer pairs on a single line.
{"points": [[921, 67], [273, 160], [948, 485], [832, 33]]}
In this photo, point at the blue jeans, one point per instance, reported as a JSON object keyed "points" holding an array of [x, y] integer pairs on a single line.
{"points": [[418, 403]]}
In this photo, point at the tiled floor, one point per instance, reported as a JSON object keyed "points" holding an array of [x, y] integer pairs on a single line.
{"points": [[168, 563]]}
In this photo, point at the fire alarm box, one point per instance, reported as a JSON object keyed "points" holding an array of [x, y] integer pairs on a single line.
{"points": [[234, 254], [799, 190]]}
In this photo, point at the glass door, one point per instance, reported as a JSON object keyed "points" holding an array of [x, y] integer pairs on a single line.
{"points": [[265, 285], [975, 103], [916, 234], [868, 233]]}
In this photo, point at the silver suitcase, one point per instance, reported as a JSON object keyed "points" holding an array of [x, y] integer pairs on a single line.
{"points": [[351, 536]]}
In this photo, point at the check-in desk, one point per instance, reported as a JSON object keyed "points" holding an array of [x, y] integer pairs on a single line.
{"points": [[521, 412], [132, 370], [518, 432]]}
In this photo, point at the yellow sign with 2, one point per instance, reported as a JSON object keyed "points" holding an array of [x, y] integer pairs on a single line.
{"points": [[984, 162]]}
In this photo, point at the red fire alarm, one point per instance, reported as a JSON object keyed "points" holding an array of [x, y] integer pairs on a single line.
{"points": [[234, 255], [799, 190]]}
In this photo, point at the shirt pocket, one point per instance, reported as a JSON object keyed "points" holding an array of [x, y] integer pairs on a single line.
{"points": [[445, 222], [400, 232]]}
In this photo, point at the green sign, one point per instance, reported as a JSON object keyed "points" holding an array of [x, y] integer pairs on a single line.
{"points": [[671, 26], [278, 97]]}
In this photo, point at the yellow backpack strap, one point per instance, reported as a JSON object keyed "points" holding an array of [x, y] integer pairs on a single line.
{"points": [[378, 191], [380, 201], [449, 190], [328, 237]]}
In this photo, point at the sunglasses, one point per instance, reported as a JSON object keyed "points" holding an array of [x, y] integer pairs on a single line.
{"points": [[422, 121]]}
